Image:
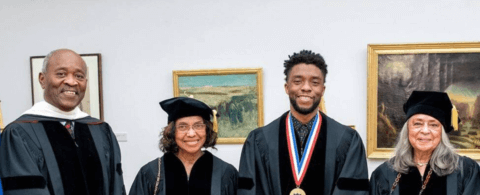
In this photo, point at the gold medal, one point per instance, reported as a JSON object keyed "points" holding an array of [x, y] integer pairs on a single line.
{"points": [[298, 191]]}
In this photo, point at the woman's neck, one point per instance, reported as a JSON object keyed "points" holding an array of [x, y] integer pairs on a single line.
{"points": [[421, 159]]}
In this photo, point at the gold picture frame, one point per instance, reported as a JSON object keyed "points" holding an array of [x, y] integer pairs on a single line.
{"points": [[236, 94], [395, 70]]}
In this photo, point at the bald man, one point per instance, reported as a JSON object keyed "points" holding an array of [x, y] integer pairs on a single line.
{"points": [[56, 149]]}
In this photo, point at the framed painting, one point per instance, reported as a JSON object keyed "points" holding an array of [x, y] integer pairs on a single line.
{"points": [[92, 103], [236, 95], [396, 70]]}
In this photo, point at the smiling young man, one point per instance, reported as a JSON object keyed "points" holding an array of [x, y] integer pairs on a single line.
{"points": [[55, 148], [303, 151]]}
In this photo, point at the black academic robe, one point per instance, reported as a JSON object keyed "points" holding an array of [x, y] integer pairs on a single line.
{"points": [[39, 159], [340, 164], [209, 175], [465, 180], [1, 191]]}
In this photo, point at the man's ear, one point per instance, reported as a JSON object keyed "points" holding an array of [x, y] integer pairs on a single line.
{"points": [[41, 79], [286, 88]]}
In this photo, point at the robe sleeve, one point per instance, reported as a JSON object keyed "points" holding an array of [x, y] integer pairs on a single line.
{"points": [[118, 185], [247, 181], [229, 181], [21, 161], [470, 177], [142, 184], [353, 174], [378, 182]]}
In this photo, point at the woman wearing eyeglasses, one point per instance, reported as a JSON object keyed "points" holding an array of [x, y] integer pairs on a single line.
{"points": [[184, 168], [425, 162]]}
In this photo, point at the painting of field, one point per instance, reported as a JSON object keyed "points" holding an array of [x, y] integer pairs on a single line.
{"points": [[234, 96]]}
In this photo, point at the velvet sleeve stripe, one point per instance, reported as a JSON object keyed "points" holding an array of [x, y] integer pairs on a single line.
{"points": [[23, 182], [353, 184], [245, 183]]}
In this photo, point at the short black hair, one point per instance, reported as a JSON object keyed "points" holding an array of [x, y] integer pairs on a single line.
{"points": [[307, 57]]}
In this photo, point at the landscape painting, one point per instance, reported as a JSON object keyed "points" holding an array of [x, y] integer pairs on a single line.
{"points": [[236, 95], [452, 70]]}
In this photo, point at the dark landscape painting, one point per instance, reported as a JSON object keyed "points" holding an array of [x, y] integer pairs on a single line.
{"points": [[457, 74]]}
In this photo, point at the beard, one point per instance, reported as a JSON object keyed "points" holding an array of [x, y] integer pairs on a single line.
{"points": [[304, 111]]}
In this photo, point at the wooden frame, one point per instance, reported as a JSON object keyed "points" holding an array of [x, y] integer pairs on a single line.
{"points": [[395, 70], [236, 94], [93, 95]]}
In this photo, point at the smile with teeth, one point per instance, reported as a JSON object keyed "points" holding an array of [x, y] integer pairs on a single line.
{"points": [[304, 98], [193, 142], [69, 92], [424, 140]]}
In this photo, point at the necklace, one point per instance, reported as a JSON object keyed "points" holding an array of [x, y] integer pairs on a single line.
{"points": [[422, 164], [423, 186]]}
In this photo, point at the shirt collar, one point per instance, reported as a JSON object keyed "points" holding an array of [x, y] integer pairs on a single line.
{"points": [[297, 124]]}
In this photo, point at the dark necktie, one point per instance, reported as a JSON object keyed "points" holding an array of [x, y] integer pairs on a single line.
{"points": [[68, 126]]}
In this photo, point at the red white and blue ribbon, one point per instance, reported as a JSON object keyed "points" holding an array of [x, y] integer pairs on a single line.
{"points": [[300, 164]]}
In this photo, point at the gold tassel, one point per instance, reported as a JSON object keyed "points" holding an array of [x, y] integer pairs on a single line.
{"points": [[321, 106], [454, 118], [1, 118], [215, 125]]}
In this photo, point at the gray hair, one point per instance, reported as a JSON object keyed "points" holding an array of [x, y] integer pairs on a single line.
{"points": [[49, 55], [444, 159]]}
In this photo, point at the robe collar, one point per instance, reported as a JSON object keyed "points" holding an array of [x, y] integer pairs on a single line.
{"points": [[44, 108]]}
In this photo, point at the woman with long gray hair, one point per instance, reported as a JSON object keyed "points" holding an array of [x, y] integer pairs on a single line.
{"points": [[425, 162]]}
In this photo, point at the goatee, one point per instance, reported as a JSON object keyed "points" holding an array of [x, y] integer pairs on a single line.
{"points": [[304, 111]]}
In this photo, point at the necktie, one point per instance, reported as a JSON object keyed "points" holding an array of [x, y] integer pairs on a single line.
{"points": [[68, 126]]}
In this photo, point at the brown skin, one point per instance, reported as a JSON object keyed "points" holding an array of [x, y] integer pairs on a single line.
{"points": [[305, 88], [424, 134], [65, 80], [190, 142]]}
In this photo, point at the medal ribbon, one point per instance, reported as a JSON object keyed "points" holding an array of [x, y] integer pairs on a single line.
{"points": [[300, 166]]}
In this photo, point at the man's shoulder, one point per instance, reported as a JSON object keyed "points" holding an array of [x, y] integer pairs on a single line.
{"points": [[20, 121]]}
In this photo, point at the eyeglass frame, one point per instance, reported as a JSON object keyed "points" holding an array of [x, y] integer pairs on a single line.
{"points": [[199, 127]]}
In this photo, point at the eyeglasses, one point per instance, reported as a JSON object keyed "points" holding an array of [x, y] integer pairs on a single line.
{"points": [[184, 128]]}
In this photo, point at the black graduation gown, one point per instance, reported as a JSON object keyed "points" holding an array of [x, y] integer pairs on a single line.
{"points": [[31, 165], [264, 168], [465, 180], [223, 177]]}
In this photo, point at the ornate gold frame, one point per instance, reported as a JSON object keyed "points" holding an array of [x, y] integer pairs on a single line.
{"points": [[372, 87], [256, 71]]}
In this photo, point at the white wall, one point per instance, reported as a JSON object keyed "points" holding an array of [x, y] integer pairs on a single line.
{"points": [[142, 41]]}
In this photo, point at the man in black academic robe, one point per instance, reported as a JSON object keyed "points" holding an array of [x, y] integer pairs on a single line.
{"points": [[337, 164], [56, 149]]}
